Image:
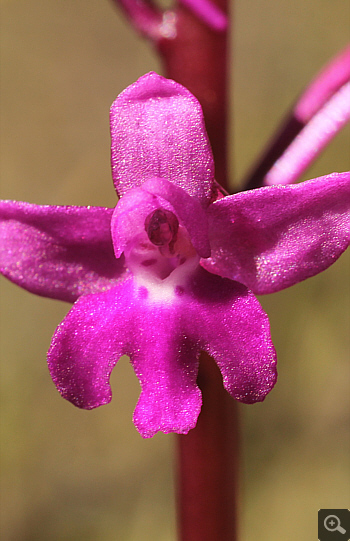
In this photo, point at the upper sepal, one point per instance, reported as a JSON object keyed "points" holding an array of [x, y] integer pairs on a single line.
{"points": [[157, 130]]}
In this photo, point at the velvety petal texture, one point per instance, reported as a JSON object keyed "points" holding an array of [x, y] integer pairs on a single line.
{"points": [[163, 340], [272, 238], [102, 327], [58, 252], [165, 358], [87, 345], [232, 327], [158, 131]]}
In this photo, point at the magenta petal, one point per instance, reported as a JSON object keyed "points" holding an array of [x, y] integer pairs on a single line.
{"points": [[165, 359], [312, 139], [157, 130], [102, 327], [272, 238], [208, 12], [87, 345], [332, 77], [58, 252], [144, 17], [233, 328], [326, 117]]}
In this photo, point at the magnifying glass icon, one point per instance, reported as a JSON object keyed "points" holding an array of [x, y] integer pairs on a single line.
{"points": [[332, 524]]}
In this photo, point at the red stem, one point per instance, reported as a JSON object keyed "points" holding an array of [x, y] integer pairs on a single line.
{"points": [[208, 465], [208, 455]]}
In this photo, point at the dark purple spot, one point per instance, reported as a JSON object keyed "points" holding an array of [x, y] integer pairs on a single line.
{"points": [[148, 262], [182, 260], [161, 227], [143, 292], [179, 290]]}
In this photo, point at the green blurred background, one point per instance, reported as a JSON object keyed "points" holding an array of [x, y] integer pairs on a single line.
{"points": [[71, 475]]}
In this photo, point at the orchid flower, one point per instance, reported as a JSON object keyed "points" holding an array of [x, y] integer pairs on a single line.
{"points": [[173, 269]]}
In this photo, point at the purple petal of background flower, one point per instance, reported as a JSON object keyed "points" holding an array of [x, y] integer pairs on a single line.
{"points": [[312, 101], [144, 16], [208, 12], [58, 252], [332, 77], [158, 131], [312, 139], [272, 238]]}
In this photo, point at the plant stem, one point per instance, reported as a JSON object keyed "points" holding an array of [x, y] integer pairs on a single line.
{"points": [[207, 466]]}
